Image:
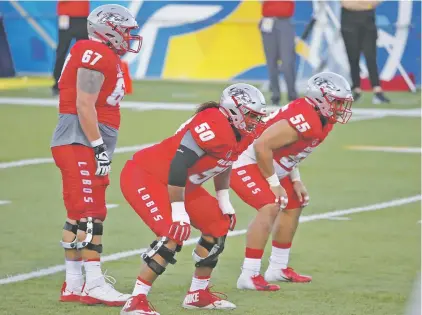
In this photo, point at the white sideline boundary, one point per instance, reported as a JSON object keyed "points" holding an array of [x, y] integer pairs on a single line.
{"points": [[385, 149], [37, 161], [144, 106], [309, 218]]}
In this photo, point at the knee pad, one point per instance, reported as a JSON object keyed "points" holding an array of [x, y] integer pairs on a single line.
{"points": [[74, 229], [91, 228], [214, 250], [157, 247]]}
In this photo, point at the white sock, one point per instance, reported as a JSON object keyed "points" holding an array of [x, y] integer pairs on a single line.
{"points": [[279, 258], [199, 283], [94, 275], [141, 287], [74, 276], [251, 266]]}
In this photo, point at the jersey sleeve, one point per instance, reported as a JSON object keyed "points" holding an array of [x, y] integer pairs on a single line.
{"points": [[304, 119], [207, 134], [93, 57]]}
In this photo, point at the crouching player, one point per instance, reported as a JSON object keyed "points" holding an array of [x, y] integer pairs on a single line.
{"points": [[267, 178], [163, 185]]}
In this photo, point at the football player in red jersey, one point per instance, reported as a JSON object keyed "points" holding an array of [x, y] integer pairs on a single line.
{"points": [[267, 178], [91, 86], [162, 183]]}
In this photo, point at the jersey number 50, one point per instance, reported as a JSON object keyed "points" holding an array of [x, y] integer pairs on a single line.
{"points": [[205, 132]]}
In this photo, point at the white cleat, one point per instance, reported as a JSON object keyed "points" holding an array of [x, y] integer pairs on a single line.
{"points": [[103, 293], [205, 299], [256, 282]]}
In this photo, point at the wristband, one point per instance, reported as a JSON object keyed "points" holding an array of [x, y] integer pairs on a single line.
{"points": [[295, 175], [273, 180], [223, 195], [97, 142], [178, 212]]}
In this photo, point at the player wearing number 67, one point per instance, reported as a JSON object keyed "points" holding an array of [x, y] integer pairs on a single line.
{"points": [[91, 86], [267, 178], [162, 183]]}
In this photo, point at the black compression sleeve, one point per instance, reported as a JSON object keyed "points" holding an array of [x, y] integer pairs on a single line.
{"points": [[182, 160]]}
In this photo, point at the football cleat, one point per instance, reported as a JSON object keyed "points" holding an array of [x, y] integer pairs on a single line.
{"points": [[104, 293], [138, 305], [256, 282], [67, 295], [287, 275], [205, 299]]}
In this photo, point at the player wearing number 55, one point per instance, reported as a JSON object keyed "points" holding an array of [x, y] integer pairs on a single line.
{"points": [[91, 86], [162, 183], [267, 178]]}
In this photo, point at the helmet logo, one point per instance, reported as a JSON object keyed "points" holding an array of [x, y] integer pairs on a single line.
{"points": [[321, 82], [240, 97], [114, 18]]}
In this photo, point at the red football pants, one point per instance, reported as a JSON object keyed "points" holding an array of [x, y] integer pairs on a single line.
{"points": [[148, 196], [83, 191], [249, 184]]}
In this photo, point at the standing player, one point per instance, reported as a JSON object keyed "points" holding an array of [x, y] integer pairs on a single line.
{"points": [[163, 185], [91, 87], [267, 178]]}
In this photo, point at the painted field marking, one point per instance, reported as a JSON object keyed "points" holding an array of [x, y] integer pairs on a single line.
{"points": [[49, 102], [111, 206], [308, 218], [339, 219], [37, 161], [4, 202], [385, 149]]}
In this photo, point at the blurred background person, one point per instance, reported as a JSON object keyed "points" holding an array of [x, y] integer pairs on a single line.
{"points": [[360, 35], [72, 24], [278, 37]]}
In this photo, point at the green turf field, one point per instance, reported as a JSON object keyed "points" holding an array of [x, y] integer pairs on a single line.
{"points": [[363, 264]]}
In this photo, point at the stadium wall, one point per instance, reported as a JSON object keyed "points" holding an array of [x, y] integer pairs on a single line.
{"points": [[220, 40]]}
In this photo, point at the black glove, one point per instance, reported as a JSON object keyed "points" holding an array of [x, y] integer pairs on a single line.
{"points": [[102, 159]]}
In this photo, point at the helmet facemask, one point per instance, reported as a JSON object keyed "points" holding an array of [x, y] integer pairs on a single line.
{"points": [[251, 120], [340, 108], [125, 33]]}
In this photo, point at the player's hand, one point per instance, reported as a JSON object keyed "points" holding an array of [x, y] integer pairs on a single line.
{"points": [[280, 196], [301, 192], [180, 228], [102, 159], [232, 221]]}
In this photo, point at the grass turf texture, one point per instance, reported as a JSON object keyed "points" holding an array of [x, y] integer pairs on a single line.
{"points": [[363, 266]]}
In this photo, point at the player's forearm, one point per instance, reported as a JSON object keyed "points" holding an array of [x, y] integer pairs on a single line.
{"points": [[264, 158], [222, 180], [176, 193], [88, 119]]}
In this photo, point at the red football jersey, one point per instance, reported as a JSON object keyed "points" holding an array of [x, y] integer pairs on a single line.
{"points": [[302, 116], [212, 132], [99, 57]]}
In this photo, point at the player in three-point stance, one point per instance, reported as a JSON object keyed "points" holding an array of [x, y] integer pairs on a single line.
{"points": [[267, 178], [163, 185], [91, 87]]}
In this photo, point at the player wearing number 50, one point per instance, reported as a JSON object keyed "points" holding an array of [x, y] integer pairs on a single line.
{"points": [[267, 178], [91, 86], [163, 185]]}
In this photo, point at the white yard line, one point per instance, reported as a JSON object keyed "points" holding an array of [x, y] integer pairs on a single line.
{"points": [[49, 102], [4, 202], [308, 218], [37, 161], [385, 149]]}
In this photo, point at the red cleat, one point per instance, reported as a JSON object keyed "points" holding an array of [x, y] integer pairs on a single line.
{"points": [[287, 275], [205, 299], [256, 282], [138, 305]]}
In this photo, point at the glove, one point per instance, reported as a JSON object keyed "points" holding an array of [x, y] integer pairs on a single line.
{"points": [[180, 228], [226, 206], [102, 159]]}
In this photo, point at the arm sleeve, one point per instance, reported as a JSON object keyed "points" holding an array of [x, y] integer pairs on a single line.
{"points": [[186, 155]]}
